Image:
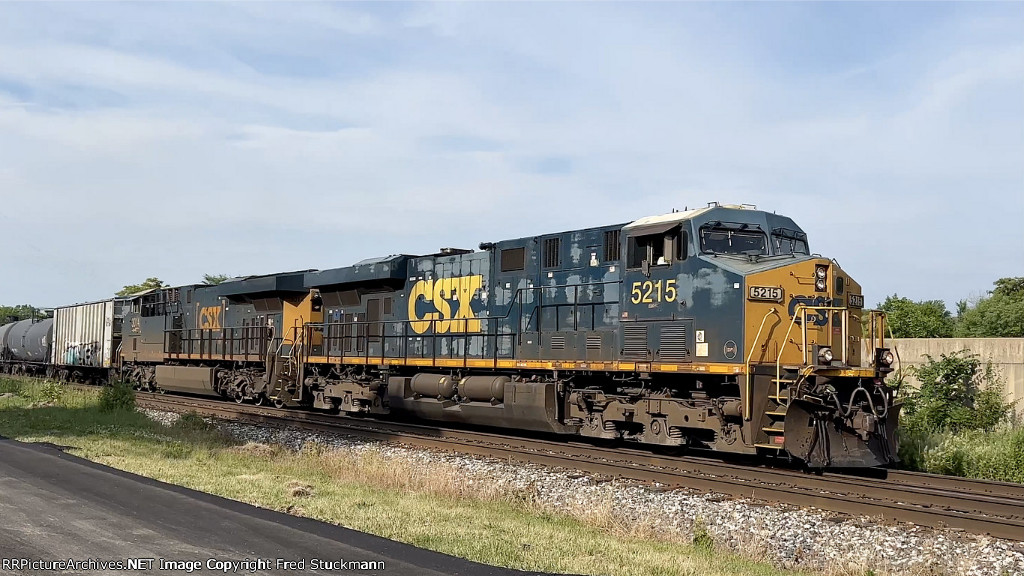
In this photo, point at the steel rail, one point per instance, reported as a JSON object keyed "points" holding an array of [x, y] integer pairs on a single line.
{"points": [[975, 506]]}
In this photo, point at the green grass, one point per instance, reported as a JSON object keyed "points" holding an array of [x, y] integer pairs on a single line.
{"points": [[433, 508], [997, 455]]}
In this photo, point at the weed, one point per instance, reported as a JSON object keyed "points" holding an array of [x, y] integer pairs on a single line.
{"points": [[51, 392], [118, 396], [176, 450], [192, 422], [702, 539], [10, 386]]}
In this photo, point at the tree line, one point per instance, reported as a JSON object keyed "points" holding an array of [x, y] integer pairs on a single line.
{"points": [[998, 314], [25, 311]]}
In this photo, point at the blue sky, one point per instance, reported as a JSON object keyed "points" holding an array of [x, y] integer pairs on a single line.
{"points": [[175, 139]]}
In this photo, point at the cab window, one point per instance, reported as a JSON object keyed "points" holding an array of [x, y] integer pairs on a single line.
{"points": [[742, 239], [657, 249], [786, 241]]}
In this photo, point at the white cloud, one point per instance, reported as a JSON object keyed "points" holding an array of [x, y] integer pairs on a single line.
{"points": [[407, 131]]}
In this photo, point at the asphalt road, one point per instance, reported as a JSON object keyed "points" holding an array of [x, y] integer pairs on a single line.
{"points": [[57, 507]]}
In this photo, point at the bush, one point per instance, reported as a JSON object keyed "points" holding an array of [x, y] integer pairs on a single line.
{"points": [[959, 423], [118, 396], [957, 393]]}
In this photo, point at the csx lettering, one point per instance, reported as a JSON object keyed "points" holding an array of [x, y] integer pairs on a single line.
{"points": [[440, 293], [816, 317], [209, 318]]}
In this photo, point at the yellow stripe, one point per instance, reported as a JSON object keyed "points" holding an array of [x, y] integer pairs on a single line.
{"points": [[508, 363], [705, 368], [851, 372]]}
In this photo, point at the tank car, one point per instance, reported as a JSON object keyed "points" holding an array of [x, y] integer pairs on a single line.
{"points": [[712, 329], [25, 346]]}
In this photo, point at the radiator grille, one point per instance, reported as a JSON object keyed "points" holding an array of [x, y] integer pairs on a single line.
{"points": [[634, 341], [558, 342], [593, 341], [673, 343]]}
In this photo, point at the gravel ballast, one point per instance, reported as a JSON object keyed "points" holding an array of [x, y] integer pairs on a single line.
{"points": [[786, 536]]}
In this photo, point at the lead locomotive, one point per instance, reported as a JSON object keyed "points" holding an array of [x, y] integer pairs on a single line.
{"points": [[712, 328]]}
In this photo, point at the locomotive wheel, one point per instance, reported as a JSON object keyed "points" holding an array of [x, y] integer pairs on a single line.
{"points": [[260, 399], [239, 398], [278, 403]]}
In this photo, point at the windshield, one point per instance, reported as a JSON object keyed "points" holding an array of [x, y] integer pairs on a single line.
{"points": [[789, 242], [726, 241]]}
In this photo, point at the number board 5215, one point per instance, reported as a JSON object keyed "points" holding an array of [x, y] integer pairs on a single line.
{"points": [[767, 293]]}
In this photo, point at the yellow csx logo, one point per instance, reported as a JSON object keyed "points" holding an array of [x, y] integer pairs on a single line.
{"points": [[209, 318], [440, 292]]}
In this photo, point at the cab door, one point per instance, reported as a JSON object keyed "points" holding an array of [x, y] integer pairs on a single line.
{"points": [[653, 329]]}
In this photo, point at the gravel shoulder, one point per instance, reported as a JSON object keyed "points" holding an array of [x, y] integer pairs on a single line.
{"points": [[788, 537]]}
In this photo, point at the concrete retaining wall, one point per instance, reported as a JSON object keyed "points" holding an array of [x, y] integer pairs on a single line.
{"points": [[1006, 354]]}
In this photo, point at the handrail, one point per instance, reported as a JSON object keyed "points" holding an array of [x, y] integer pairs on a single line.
{"points": [[801, 311], [517, 299], [748, 407]]}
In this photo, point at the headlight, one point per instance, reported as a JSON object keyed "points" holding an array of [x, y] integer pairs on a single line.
{"points": [[821, 272], [825, 355], [819, 285], [885, 357]]}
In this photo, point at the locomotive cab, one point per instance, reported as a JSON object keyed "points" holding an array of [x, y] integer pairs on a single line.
{"points": [[735, 291]]}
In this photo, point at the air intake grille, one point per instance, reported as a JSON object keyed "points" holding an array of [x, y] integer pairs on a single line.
{"points": [[635, 341], [558, 342], [593, 341], [673, 343]]}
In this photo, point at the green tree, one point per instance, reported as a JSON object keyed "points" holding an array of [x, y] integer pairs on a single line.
{"points": [[148, 284], [19, 312], [999, 315], [214, 279], [924, 319]]}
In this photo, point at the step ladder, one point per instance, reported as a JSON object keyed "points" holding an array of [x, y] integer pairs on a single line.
{"points": [[786, 382]]}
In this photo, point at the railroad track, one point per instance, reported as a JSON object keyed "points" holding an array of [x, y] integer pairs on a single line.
{"points": [[975, 506]]}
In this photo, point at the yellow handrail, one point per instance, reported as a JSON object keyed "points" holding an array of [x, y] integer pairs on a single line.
{"points": [[748, 407], [801, 310]]}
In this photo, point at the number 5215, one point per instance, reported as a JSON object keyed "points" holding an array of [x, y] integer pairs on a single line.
{"points": [[649, 292]]}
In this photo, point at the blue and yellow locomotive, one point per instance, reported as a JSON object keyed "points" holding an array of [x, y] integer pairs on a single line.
{"points": [[713, 328]]}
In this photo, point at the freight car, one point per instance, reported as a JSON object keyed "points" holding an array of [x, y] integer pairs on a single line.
{"points": [[77, 342], [713, 328], [25, 346]]}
